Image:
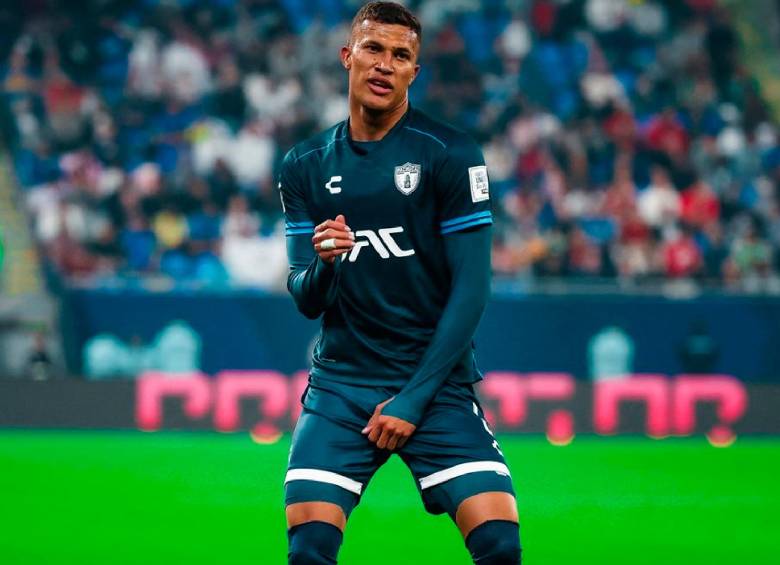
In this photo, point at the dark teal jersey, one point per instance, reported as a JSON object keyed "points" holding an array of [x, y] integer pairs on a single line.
{"points": [[401, 196]]}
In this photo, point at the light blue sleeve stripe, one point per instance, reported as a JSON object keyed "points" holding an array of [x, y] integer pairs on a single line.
{"points": [[299, 224], [299, 231], [452, 222], [471, 224]]}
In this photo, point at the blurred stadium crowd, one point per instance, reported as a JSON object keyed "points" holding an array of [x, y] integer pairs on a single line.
{"points": [[625, 139]]}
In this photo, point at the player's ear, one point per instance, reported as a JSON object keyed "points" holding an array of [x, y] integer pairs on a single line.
{"points": [[416, 72], [346, 57]]}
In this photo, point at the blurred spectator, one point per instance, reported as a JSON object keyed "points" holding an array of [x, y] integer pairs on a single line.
{"points": [[183, 67], [39, 363], [659, 203], [715, 251], [251, 258], [699, 206], [750, 260], [584, 257], [169, 227], [666, 134], [138, 243], [636, 248], [681, 255]]}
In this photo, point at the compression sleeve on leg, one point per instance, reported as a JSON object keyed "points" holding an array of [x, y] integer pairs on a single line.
{"points": [[495, 542], [313, 543]]}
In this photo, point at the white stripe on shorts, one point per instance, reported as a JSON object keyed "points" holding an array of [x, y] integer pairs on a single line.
{"points": [[463, 469], [320, 476]]}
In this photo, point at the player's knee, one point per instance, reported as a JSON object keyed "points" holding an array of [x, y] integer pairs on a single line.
{"points": [[495, 542], [313, 543], [505, 551]]}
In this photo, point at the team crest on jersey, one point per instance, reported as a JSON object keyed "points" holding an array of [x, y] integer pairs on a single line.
{"points": [[407, 177]]}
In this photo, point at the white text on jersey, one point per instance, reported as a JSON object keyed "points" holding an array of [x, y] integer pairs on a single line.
{"points": [[382, 241]]}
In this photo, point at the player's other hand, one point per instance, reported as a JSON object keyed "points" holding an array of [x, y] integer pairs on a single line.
{"points": [[333, 238], [388, 432]]}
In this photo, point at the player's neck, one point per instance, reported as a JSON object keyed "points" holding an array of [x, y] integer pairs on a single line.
{"points": [[367, 125]]}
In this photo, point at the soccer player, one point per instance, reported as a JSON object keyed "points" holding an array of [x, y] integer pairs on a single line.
{"points": [[388, 226]]}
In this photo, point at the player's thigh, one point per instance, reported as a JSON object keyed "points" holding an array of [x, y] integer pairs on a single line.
{"points": [[331, 463], [301, 512], [454, 457], [484, 507]]}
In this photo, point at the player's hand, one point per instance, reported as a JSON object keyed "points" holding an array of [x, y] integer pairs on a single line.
{"points": [[333, 238], [388, 432]]}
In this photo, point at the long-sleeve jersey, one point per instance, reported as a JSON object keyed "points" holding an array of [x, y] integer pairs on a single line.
{"points": [[399, 310]]}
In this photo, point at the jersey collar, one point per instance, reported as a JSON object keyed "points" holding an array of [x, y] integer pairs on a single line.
{"points": [[399, 125]]}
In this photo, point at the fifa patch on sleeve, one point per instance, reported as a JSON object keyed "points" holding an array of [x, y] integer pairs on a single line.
{"points": [[478, 179]]}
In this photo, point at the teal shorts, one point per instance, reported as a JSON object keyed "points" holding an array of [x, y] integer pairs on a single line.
{"points": [[452, 453]]}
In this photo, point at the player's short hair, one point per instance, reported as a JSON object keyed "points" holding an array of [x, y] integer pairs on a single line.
{"points": [[387, 13]]}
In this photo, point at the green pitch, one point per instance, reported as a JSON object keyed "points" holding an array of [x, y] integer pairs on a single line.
{"points": [[94, 498]]}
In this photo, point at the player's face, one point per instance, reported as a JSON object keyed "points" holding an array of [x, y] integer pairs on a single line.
{"points": [[382, 63]]}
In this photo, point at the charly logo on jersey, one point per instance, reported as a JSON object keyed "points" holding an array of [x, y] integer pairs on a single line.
{"points": [[382, 241], [332, 185], [407, 177]]}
